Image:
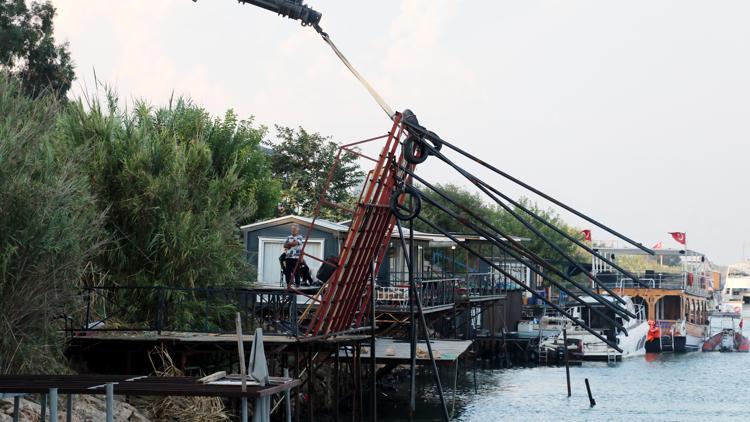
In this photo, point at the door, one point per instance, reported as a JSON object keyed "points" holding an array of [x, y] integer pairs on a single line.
{"points": [[269, 267]]}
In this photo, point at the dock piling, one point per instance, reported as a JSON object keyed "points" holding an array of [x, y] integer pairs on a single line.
{"points": [[567, 364], [591, 398]]}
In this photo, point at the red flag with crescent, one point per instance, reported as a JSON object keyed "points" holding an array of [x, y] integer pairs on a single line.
{"points": [[679, 237], [586, 235]]}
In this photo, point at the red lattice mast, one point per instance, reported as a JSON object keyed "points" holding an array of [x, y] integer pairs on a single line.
{"points": [[344, 301]]}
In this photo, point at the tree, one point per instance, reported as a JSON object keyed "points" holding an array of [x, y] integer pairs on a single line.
{"points": [[49, 232], [28, 49], [301, 162]]}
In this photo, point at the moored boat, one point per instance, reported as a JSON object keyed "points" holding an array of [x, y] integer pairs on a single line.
{"points": [[737, 285], [725, 333], [591, 348], [677, 297]]}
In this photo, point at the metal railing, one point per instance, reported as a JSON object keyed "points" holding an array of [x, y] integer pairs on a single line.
{"points": [[204, 310], [433, 293], [697, 284]]}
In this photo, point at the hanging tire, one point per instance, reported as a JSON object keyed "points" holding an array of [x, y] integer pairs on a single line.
{"points": [[415, 151], [401, 212]]}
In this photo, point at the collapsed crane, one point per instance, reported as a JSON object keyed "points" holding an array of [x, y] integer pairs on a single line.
{"points": [[390, 197]]}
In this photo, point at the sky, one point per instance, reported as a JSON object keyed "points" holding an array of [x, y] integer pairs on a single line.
{"points": [[636, 113]]}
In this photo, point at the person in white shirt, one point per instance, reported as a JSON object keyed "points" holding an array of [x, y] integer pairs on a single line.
{"points": [[293, 245]]}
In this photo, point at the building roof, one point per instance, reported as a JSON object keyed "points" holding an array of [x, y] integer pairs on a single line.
{"points": [[303, 221], [435, 240]]}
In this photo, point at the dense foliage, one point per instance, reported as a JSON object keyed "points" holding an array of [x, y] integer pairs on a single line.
{"points": [[49, 232], [174, 184], [28, 49]]}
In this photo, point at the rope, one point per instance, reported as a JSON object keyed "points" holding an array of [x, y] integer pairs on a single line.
{"points": [[378, 99]]}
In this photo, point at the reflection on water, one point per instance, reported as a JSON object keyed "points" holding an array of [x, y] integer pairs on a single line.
{"points": [[667, 387]]}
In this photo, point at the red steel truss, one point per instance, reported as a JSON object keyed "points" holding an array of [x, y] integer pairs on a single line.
{"points": [[343, 303]]}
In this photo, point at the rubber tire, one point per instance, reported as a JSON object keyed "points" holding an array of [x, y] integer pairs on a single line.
{"points": [[410, 144], [398, 212]]}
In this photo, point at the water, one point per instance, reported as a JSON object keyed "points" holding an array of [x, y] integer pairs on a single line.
{"points": [[665, 387]]}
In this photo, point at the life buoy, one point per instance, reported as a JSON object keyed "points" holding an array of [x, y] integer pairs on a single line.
{"points": [[690, 279]]}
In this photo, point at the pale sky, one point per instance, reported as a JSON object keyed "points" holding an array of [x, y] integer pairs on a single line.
{"points": [[635, 112]]}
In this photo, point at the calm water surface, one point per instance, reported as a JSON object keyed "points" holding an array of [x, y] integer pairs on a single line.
{"points": [[666, 387]]}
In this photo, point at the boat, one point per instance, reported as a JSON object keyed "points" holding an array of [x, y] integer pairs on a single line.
{"points": [[592, 348], [737, 285], [725, 333], [677, 293]]}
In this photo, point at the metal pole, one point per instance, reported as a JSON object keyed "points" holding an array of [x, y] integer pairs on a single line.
{"points": [[373, 360], [528, 288], [69, 409], [418, 301], [524, 185], [491, 238], [110, 388], [512, 242], [567, 365], [413, 321], [53, 404], [16, 408], [287, 399], [243, 417], [337, 378], [43, 408]]}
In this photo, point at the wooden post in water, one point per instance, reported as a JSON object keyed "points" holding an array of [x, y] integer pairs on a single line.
{"points": [[591, 398], [567, 365]]}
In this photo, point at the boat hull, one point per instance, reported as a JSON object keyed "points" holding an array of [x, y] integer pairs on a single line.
{"points": [[727, 342], [679, 344]]}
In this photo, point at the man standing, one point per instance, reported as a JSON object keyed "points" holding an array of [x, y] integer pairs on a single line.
{"points": [[293, 245]]}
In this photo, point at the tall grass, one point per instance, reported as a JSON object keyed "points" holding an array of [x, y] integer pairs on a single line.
{"points": [[174, 184], [49, 233]]}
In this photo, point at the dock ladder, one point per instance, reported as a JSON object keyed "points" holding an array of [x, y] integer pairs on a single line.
{"points": [[611, 356]]}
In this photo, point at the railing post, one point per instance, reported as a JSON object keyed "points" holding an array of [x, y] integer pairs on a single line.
{"points": [[53, 404], [88, 307], [43, 410], [16, 408], [205, 321], [110, 390], [160, 311]]}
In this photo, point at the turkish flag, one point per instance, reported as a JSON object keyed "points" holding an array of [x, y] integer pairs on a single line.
{"points": [[679, 237], [658, 246], [586, 235]]}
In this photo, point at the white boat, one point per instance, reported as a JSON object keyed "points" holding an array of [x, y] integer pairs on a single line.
{"points": [[592, 348], [737, 286]]}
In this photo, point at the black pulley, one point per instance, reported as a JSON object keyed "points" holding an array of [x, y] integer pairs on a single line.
{"points": [[436, 141], [411, 206], [415, 150]]}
